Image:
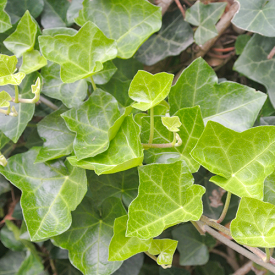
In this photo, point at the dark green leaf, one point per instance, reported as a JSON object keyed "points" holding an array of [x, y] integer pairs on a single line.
{"points": [[173, 271], [209, 269], [11, 262], [5, 22], [241, 42], [131, 266], [64, 267], [4, 185], [73, 10]]}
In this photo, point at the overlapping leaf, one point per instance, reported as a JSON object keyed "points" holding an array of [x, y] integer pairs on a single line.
{"points": [[125, 152], [95, 123], [90, 234], [32, 61], [140, 19], [50, 191], [269, 189], [73, 10], [231, 104], [131, 266], [166, 197], [241, 161], [5, 22], [103, 76], [76, 61]]}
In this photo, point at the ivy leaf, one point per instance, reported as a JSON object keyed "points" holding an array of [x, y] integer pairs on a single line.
{"points": [[23, 38], [149, 90], [5, 21], [95, 123], [269, 192], [190, 240], [59, 30], [171, 123], [92, 229], [103, 76], [73, 10], [46, 214], [85, 61], [71, 94], [11, 261], [131, 266], [234, 105], [205, 17], [63, 266], [173, 271], [58, 139], [172, 197], [212, 267], [122, 247], [243, 174], [4, 99], [162, 108], [254, 223], [258, 68], [174, 37], [256, 16], [140, 20], [241, 42], [32, 61], [7, 69], [4, 185]]}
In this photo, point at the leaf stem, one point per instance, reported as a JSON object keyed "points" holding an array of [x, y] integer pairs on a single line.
{"points": [[156, 260], [8, 112], [267, 252], [165, 145], [93, 83], [16, 94], [198, 228], [152, 127], [225, 208], [48, 103]]}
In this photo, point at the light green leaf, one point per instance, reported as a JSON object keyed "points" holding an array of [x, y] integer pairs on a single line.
{"points": [[171, 123], [162, 108], [89, 236], [131, 266], [254, 64], [174, 37], [23, 39], [123, 185], [149, 90], [165, 250], [140, 19], [122, 247], [254, 223], [234, 105], [256, 16], [58, 139], [71, 94], [46, 214], [59, 30], [76, 61], [166, 197], [103, 76], [269, 192], [241, 161], [95, 123], [32, 61], [5, 21], [4, 99], [7, 69], [125, 152], [205, 17]]}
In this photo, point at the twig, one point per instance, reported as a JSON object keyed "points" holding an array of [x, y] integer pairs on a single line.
{"points": [[180, 8], [223, 50], [53, 266], [244, 269], [229, 260], [271, 54], [48, 103], [187, 3]]}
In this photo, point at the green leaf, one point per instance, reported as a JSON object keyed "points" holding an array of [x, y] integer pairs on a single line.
{"points": [[122, 247], [241, 42], [205, 17], [241, 161], [10, 262], [165, 250], [3, 140], [166, 196], [161, 109], [95, 123], [131, 266], [269, 192], [7, 69], [171, 123], [140, 20], [174, 37], [32, 61], [123, 185], [59, 30], [103, 76], [71, 94], [256, 16], [173, 271], [76, 61], [73, 10], [234, 105], [4, 185], [125, 152], [54, 14], [149, 90], [58, 139], [46, 214], [23, 39], [210, 268], [64, 267], [89, 236], [254, 223], [5, 22], [254, 64], [13, 127], [192, 246], [4, 99]]}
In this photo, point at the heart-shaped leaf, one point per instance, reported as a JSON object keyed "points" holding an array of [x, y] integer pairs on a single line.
{"points": [[241, 161], [171, 123], [32, 61], [166, 196], [5, 21], [4, 99], [149, 90], [78, 62]]}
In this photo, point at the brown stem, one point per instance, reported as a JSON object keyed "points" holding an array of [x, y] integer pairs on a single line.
{"points": [[244, 269], [187, 3], [224, 56], [164, 4], [229, 49], [180, 8], [271, 54]]}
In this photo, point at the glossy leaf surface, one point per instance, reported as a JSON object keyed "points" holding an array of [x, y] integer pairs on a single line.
{"points": [[32, 61], [5, 22]]}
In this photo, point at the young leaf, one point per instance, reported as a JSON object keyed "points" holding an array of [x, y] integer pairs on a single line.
{"points": [[241, 161], [171, 123], [46, 214], [5, 21], [205, 17], [32, 61], [78, 62], [149, 90], [92, 230], [231, 104], [256, 16], [125, 152], [140, 20], [166, 197], [23, 39], [95, 123], [4, 99], [254, 223], [58, 139]]}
